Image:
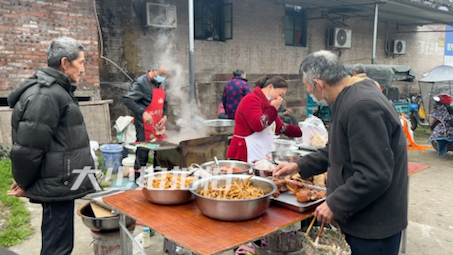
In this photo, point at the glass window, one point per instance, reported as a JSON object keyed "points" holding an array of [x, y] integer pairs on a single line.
{"points": [[296, 28], [213, 20]]}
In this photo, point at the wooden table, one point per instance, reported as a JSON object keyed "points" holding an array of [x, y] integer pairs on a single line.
{"points": [[189, 228]]}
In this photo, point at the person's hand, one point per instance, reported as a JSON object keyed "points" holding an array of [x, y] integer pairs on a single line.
{"points": [[147, 118], [161, 124], [323, 213], [287, 112], [16, 191], [285, 169], [277, 102]]}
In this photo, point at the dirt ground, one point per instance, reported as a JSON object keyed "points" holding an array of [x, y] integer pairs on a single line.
{"points": [[430, 230]]}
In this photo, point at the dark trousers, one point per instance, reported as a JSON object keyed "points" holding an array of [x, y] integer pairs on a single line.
{"points": [[386, 246], [141, 157], [57, 228]]}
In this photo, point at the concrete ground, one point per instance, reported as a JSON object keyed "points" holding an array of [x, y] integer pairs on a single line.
{"points": [[430, 230]]}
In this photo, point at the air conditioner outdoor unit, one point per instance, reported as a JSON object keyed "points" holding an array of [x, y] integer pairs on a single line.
{"points": [[339, 38], [161, 15], [398, 47]]}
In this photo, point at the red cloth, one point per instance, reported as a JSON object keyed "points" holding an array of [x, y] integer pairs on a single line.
{"points": [[220, 109], [254, 114]]}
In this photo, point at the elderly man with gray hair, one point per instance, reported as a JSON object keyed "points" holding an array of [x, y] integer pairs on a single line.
{"points": [[360, 71], [50, 142], [366, 158]]}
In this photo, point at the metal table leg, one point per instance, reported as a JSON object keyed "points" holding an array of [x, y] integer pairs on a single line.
{"points": [[404, 232], [124, 233]]}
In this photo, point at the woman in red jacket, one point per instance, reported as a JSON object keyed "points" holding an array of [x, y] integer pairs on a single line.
{"points": [[257, 121]]}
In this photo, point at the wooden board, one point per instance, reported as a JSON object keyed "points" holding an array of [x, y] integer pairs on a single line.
{"points": [[100, 212], [188, 227]]}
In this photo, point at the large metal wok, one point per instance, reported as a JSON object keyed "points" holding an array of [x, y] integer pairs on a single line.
{"points": [[220, 126]]}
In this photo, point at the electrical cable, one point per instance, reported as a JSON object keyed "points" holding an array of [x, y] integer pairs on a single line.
{"points": [[102, 43]]}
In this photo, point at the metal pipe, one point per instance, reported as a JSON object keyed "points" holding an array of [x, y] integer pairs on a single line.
{"points": [[376, 14], [440, 31], [130, 236], [191, 56]]}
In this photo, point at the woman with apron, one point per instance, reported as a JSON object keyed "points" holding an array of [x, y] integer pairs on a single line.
{"points": [[257, 121]]}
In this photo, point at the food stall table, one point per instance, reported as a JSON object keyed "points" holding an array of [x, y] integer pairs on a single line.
{"points": [[188, 227]]}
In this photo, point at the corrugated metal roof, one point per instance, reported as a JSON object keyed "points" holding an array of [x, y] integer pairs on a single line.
{"points": [[401, 12]]}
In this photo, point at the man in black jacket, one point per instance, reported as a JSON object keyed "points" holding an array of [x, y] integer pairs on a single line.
{"points": [[147, 100], [366, 158], [50, 141]]}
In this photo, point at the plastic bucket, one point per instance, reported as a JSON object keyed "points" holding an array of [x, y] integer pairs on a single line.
{"points": [[112, 154]]}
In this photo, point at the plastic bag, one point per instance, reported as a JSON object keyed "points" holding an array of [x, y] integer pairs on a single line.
{"points": [[314, 133]]}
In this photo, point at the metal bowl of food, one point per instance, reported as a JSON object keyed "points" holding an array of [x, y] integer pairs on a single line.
{"points": [[284, 145], [263, 168], [285, 156], [167, 188], [227, 167], [220, 126], [233, 209], [106, 224], [262, 173]]}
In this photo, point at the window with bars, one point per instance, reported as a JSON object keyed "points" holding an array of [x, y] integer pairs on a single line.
{"points": [[296, 28], [213, 20]]}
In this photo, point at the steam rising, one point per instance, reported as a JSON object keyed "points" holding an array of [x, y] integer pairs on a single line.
{"points": [[189, 124]]}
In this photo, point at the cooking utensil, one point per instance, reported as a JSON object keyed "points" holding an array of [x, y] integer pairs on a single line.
{"points": [[216, 162], [284, 145], [233, 210], [285, 156], [100, 224], [220, 126], [166, 196], [211, 167]]}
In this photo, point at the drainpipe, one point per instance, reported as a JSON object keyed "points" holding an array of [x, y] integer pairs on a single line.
{"points": [[191, 57], [376, 14]]}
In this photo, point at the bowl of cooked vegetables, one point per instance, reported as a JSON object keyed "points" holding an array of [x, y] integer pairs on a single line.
{"points": [[233, 197], [167, 188], [227, 167]]}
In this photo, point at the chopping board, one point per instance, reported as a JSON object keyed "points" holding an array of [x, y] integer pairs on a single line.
{"points": [[100, 212]]}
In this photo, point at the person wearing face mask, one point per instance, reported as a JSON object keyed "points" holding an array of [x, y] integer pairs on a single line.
{"points": [[366, 158], [146, 98], [257, 121]]}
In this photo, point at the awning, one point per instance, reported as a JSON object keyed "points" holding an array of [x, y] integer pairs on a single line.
{"points": [[439, 74], [400, 12]]}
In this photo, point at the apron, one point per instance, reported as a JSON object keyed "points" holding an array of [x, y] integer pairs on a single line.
{"points": [[156, 110], [260, 144]]}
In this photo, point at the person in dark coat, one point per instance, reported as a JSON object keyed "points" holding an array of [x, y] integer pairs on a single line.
{"points": [[235, 89], [50, 142], [146, 98], [366, 158]]}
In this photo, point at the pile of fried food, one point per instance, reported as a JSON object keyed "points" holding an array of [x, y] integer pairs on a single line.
{"points": [[318, 140], [169, 181], [237, 190], [319, 180], [302, 192]]}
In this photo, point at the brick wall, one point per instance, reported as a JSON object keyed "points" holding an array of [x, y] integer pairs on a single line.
{"points": [[26, 27]]}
